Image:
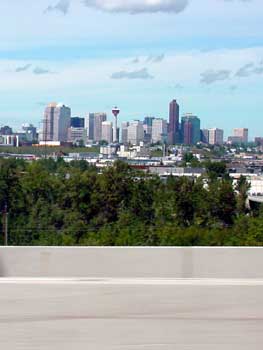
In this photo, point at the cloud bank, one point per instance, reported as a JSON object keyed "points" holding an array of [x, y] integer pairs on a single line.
{"points": [[41, 71], [250, 69], [62, 6], [212, 76], [138, 74], [138, 6], [22, 68]]}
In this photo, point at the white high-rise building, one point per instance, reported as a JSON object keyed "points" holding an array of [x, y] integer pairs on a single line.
{"points": [[216, 136], [135, 132], [56, 122], [159, 130], [107, 131]]}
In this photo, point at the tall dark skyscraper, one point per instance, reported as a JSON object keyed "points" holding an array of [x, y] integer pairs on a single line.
{"points": [[173, 133]]}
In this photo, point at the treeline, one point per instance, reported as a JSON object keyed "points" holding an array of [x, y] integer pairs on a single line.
{"points": [[55, 203]]}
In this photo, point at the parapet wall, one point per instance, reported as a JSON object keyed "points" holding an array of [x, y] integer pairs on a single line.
{"points": [[102, 262]]}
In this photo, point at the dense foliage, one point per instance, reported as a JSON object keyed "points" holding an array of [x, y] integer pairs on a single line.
{"points": [[54, 203]]}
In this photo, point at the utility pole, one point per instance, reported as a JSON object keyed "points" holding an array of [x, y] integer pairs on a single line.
{"points": [[5, 225]]}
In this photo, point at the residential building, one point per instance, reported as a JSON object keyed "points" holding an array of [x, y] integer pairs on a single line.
{"points": [[242, 133], [216, 136]]}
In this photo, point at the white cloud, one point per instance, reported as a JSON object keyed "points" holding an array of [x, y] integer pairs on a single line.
{"points": [[138, 6]]}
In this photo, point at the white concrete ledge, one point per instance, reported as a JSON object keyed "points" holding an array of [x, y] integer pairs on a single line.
{"points": [[101, 262]]}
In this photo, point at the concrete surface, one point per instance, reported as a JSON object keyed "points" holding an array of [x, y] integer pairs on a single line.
{"points": [[131, 314], [131, 298], [132, 262]]}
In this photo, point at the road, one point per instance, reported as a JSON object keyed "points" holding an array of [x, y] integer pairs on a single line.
{"points": [[131, 314]]}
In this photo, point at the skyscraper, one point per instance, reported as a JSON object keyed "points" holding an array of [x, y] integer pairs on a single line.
{"points": [[89, 126], [135, 132], [159, 130], [115, 112], [56, 122], [107, 131], [99, 118], [190, 129], [187, 130], [173, 132], [124, 132]]}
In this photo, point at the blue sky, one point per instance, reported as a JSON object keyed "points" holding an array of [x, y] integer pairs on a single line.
{"points": [[137, 54]]}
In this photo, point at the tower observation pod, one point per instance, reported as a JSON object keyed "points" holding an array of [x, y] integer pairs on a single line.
{"points": [[115, 112]]}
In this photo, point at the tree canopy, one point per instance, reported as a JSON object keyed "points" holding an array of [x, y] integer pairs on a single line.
{"points": [[56, 203]]}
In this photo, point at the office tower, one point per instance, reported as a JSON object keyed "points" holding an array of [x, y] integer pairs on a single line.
{"points": [[77, 135], [173, 132], [115, 112], [77, 122], [98, 119], [89, 126], [205, 135], [148, 121], [190, 129], [107, 132], [159, 130], [242, 133], [147, 127], [56, 122], [124, 133], [187, 133], [30, 132], [135, 132], [216, 136]]}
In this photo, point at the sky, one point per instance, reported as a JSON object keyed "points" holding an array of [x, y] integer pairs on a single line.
{"points": [[136, 54]]}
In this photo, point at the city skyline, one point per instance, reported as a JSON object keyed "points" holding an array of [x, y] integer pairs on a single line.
{"points": [[62, 52], [185, 129]]}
